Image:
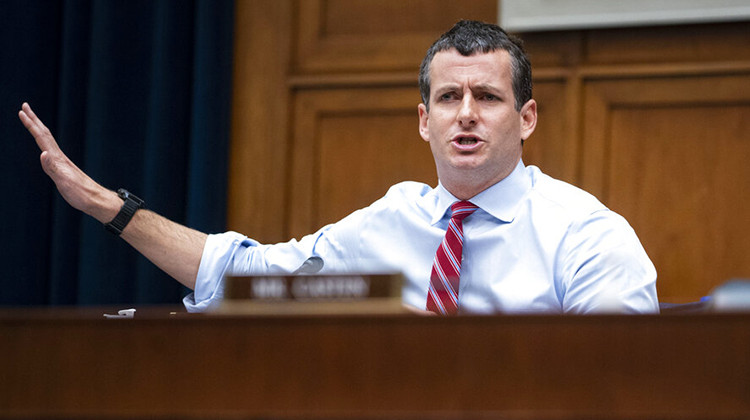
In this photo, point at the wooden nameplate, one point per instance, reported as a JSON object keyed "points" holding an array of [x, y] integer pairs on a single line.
{"points": [[313, 294]]}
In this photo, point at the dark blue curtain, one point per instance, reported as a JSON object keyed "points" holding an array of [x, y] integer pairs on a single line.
{"points": [[137, 93]]}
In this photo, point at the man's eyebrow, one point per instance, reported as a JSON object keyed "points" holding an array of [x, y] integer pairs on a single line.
{"points": [[486, 87], [446, 87]]}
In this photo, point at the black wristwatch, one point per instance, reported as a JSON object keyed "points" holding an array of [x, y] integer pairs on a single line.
{"points": [[128, 209]]}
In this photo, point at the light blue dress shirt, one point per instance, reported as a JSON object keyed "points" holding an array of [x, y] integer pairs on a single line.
{"points": [[536, 245]]}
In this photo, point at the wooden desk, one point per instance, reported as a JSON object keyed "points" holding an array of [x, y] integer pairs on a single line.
{"points": [[67, 364]]}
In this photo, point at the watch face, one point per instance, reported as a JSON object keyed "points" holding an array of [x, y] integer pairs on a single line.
{"points": [[126, 195]]}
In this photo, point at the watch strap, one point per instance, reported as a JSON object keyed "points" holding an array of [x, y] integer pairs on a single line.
{"points": [[130, 205]]}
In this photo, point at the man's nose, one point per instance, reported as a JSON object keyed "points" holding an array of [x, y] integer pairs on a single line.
{"points": [[467, 114]]}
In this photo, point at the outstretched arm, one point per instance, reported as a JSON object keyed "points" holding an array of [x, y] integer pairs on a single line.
{"points": [[174, 248]]}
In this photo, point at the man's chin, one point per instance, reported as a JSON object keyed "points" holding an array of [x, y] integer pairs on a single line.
{"points": [[468, 162]]}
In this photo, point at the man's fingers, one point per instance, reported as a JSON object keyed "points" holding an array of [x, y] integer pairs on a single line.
{"points": [[41, 133], [25, 120], [28, 117], [34, 123], [27, 109]]}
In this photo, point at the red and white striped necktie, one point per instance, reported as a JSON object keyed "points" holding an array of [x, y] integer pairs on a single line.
{"points": [[442, 296]]}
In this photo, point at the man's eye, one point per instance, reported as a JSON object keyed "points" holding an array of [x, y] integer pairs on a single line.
{"points": [[490, 97], [447, 96]]}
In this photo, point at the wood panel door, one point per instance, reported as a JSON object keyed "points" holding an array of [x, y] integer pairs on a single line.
{"points": [[349, 146], [365, 36], [671, 155]]}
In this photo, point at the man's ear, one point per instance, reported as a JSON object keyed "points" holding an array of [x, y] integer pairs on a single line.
{"points": [[424, 115], [528, 119]]}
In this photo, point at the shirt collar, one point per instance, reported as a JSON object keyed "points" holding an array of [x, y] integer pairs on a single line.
{"points": [[501, 200]]}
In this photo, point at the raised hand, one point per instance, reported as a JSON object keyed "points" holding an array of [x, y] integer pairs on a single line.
{"points": [[77, 188], [174, 248]]}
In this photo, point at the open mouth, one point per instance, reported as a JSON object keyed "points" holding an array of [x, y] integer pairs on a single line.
{"points": [[465, 141]]}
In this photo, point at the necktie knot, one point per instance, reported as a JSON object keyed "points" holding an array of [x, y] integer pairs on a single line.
{"points": [[462, 209]]}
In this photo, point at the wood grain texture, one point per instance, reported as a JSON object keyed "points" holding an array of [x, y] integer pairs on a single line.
{"points": [[540, 367], [350, 146], [671, 156], [337, 36], [260, 125]]}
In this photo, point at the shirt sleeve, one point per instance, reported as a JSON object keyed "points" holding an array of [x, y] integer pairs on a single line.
{"points": [[232, 253], [216, 260], [605, 268]]}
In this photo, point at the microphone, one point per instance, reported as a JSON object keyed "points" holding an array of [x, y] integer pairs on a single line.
{"points": [[311, 266]]}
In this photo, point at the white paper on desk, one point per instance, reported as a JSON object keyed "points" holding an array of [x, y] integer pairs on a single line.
{"points": [[124, 313]]}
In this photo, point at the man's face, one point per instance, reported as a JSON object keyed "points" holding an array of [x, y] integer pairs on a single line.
{"points": [[472, 126]]}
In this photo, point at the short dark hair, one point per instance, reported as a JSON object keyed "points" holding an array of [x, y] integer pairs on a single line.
{"points": [[469, 37]]}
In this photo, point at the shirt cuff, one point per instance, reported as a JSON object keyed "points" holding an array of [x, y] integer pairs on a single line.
{"points": [[217, 258]]}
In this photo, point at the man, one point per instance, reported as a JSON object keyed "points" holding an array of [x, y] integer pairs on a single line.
{"points": [[493, 236]]}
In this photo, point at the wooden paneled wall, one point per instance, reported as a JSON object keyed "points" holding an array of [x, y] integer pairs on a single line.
{"points": [[654, 121]]}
